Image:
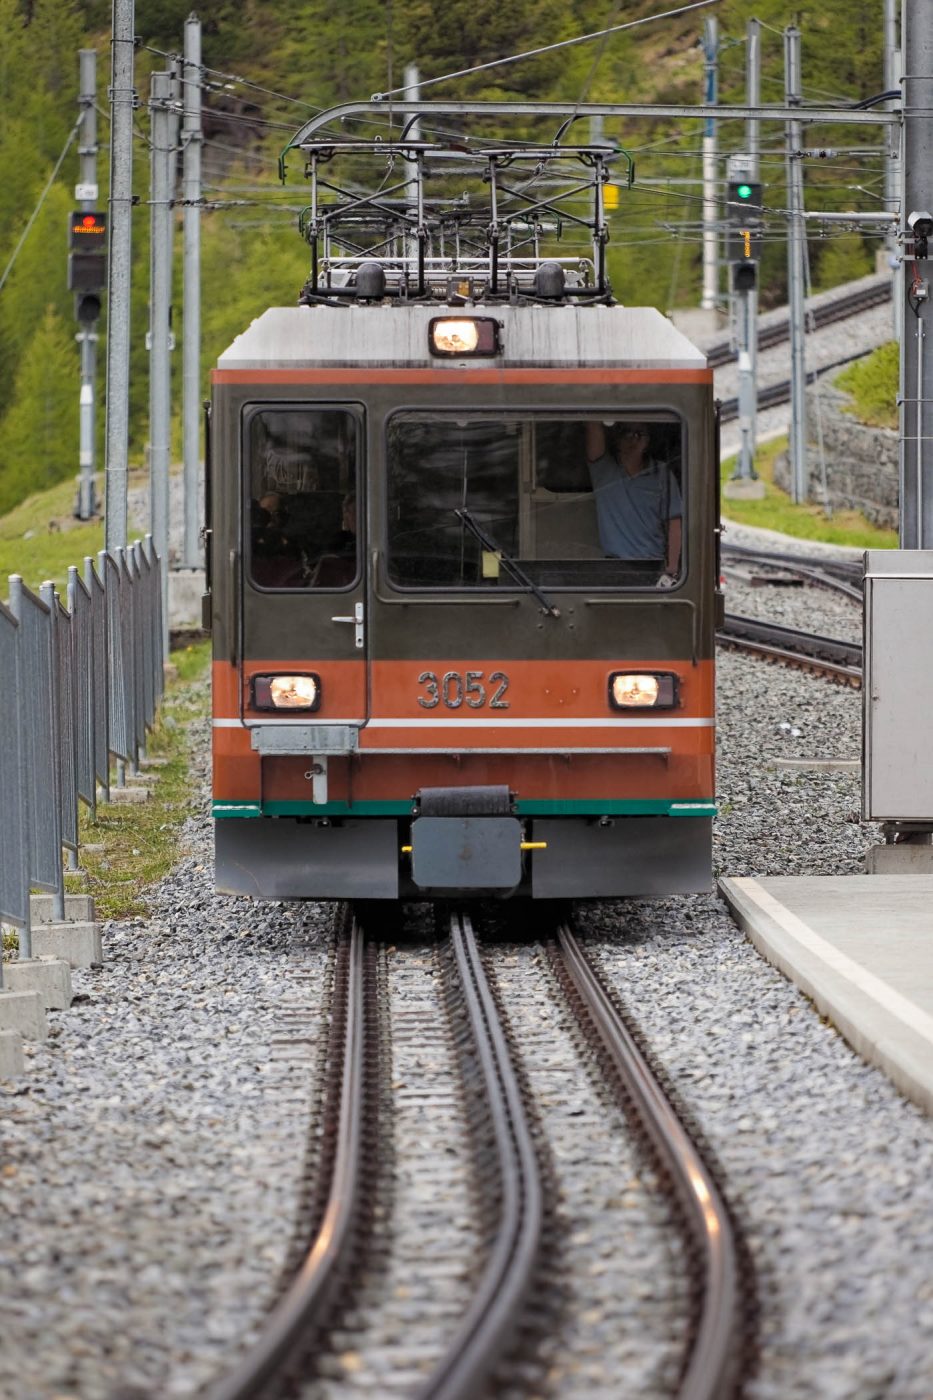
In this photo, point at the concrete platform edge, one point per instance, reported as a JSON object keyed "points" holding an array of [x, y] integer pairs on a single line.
{"points": [[900, 1046]]}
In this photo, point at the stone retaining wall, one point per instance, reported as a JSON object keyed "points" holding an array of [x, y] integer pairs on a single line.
{"points": [[861, 462]]}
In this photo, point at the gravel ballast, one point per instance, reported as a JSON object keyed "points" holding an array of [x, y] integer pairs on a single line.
{"points": [[154, 1149], [150, 1158]]}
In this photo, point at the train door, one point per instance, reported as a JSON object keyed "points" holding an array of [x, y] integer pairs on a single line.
{"points": [[303, 571]]}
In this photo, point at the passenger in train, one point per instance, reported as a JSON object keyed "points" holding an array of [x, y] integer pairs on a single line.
{"points": [[275, 560], [337, 565], [638, 502]]}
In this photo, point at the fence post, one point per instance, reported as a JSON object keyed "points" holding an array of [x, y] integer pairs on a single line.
{"points": [[136, 647], [14, 836], [38, 682], [50, 599], [16, 608], [100, 669]]}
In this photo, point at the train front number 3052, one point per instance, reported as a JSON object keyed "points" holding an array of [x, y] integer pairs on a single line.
{"points": [[471, 688]]}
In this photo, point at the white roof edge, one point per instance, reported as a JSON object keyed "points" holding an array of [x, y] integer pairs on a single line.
{"points": [[579, 336]]}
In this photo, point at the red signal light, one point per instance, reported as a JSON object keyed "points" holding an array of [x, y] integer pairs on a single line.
{"points": [[88, 229]]}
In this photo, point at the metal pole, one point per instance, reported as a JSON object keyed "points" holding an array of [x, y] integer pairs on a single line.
{"points": [[893, 174], [745, 467], [191, 350], [752, 98], [87, 195], [892, 81], [160, 294], [916, 523], [710, 203], [122, 104], [795, 274], [412, 93]]}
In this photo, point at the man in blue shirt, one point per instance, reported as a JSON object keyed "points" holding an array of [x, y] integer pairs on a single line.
{"points": [[638, 503]]}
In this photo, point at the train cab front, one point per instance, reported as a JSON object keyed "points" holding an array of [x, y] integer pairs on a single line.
{"points": [[464, 608]]}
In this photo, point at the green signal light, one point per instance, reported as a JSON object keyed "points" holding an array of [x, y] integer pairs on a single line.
{"points": [[744, 191]]}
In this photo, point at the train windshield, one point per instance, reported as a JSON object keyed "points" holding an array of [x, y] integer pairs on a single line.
{"points": [[302, 522], [573, 503]]}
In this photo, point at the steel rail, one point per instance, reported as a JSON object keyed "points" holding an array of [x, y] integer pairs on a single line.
{"points": [[772, 395], [843, 567], [841, 575], [827, 655], [489, 1323], [312, 1290], [714, 1363]]}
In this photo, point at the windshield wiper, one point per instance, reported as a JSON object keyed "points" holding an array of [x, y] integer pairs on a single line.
{"points": [[516, 570]]}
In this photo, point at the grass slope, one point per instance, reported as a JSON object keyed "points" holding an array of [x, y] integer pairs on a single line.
{"points": [[40, 537], [776, 511]]}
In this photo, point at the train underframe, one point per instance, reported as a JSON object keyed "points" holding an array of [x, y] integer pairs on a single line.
{"points": [[490, 826], [468, 856]]}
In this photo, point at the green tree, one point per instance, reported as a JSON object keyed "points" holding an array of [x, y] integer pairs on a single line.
{"points": [[256, 268], [39, 432], [38, 279], [840, 258]]}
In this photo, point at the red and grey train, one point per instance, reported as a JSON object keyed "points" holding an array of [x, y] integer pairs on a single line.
{"points": [[444, 664]]}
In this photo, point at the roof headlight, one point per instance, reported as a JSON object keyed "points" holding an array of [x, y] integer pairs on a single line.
{"points": [[295, 692], [463, 335], [642, 690]]}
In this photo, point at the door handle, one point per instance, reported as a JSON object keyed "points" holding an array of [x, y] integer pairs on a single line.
{"points": [[357, 621]]}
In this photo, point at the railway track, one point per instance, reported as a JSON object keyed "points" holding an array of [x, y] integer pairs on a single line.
{"points": [[839, 309], [713, 1364], [824, 656], [511, 1277], [282, 1352], [840, 575], [771, 395]]}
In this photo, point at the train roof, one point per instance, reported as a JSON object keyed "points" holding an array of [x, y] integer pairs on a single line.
{"points": [[571, 335]]}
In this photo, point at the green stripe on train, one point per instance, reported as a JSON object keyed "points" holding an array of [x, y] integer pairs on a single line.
{"points": [[622, 807]]}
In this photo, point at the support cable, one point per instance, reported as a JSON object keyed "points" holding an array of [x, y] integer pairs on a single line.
{"points": [[550, 48], [35, 213]]}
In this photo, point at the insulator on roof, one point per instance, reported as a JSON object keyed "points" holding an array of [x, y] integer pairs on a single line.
{"points": [[549, 280], [371, 280]]}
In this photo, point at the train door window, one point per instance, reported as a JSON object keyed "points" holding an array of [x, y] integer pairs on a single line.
{"points": [[573, 502], [301, 486]]}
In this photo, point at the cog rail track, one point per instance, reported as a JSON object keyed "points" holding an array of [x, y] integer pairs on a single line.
{"points": [[507, 1277], [713, 1365], [294, 1320], [825, 656]]}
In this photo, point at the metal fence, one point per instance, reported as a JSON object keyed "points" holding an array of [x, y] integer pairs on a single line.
{"points": [[81, 679]]}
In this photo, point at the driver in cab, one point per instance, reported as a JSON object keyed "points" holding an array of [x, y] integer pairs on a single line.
{"points": [[639, 507]]}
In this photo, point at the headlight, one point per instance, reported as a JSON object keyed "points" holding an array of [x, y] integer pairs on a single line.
{"points": [[287, 692], [463, 335], [641, 690]]}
